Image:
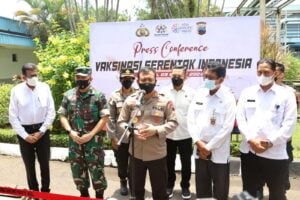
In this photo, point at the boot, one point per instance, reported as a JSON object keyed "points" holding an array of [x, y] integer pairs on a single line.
{"points": [[84, 193], [99, 194], [123, 187]]}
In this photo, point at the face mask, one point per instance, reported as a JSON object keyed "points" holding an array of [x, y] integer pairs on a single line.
{"points": [[210, 84], [265, 80], [177, 81], [148, 87], [82, 84], [127, 84], [32, 81]]}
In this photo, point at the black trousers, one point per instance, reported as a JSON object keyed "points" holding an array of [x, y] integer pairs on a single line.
{"points": [[273, 172], [185, 151], [41, 149], [158, 178], [122, 157], [212, 179]]}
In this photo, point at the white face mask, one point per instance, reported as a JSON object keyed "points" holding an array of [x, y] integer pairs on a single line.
{"points": [[264, 80], [32, 81]]}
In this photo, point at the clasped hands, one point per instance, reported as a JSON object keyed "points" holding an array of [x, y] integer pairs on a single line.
{"points": [[80, 139], [145, 131], [260, 145], [203, 151], [33, 137]]}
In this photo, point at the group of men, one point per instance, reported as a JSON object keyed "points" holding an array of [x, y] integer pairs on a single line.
{"points": [[165, 122]]}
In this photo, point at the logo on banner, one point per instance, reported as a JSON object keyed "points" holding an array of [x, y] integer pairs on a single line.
{"points": [[181, 28], [142, 31], [201, 28], [161, 30]]}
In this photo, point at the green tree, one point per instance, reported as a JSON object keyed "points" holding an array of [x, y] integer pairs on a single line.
{"points": [[59, 57]]}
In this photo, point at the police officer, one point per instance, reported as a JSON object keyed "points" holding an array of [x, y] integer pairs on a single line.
{"points": [[83, 113], [266, 113], [116, 102], [155, 119]]}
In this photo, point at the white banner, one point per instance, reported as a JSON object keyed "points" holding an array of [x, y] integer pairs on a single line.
{"points": [[162, 44]]}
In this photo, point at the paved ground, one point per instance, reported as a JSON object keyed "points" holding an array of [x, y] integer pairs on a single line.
{"points": [[12, 174]]}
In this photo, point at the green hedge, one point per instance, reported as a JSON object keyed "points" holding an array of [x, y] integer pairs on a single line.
{"points": [[57, 140], [4, 103]]}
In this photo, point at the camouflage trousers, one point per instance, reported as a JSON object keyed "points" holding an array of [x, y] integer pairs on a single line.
{"points": [[88, 159]]}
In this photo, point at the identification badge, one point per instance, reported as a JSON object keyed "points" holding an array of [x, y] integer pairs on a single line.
{"points": [[213, 118]]}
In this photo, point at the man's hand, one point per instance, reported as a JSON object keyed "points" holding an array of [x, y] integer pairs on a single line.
{"points": [[203, 151], [30, 139], [75, 136], [114, 143], [147, 130], [85, 138], [138, 136], [37, 135], [257, 145]]}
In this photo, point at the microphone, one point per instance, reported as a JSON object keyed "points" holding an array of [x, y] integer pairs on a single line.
{"points": [[140, 98]]}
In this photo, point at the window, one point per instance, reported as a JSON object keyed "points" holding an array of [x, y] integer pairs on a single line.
{"points": [[14, 57]]}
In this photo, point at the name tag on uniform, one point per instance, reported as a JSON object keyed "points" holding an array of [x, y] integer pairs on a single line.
{"points": [[250, 100], [199, 103]]}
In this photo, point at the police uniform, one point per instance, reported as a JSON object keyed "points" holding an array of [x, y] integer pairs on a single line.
{"points": [[150, 153], [83, 112], [116, 102]]}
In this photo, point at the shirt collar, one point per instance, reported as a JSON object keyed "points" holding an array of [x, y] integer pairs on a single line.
{"points": [[274, 88], [219, 93]]}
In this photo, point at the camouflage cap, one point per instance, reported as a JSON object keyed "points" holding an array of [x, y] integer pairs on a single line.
{"points": [[126, 73], [83, 71]]}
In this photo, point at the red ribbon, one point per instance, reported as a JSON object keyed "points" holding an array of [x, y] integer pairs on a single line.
{"points": [[43, 195]]}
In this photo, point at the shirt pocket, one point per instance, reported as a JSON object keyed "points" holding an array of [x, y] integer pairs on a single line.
{"points": [[220, 115], [119, 107], [277, 113], [250, 108], [157, 117]]}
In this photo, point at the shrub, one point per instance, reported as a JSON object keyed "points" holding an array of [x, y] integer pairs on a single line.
{"points": [[58, 58], [4, 103]]}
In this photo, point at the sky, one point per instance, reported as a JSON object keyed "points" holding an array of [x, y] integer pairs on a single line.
{"points": [[9, 7]]}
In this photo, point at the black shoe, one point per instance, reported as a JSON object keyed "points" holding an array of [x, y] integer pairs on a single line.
{"points": [[84, 193], [170, 192], [186, 194], [99, 194], [123, 188]]}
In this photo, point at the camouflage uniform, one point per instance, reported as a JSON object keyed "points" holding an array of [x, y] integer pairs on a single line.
{"points": [[83, 112]]}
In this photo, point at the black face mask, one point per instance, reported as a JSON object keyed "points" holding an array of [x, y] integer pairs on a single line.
{"points": [[177, 81], [148, 87], [127, 83], [82, 84]]}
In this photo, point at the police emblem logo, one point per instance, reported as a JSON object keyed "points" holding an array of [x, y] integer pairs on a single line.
{"points": [[142, 31], [135, 120], [201, 28]]}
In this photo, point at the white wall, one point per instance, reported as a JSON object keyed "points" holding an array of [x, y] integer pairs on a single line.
{"points": [[8, 68]]}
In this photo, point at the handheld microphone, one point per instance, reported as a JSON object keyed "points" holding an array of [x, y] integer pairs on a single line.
{"points": [[140, 97]]}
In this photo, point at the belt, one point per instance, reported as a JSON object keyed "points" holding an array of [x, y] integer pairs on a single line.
{"points": [[33, 126]]}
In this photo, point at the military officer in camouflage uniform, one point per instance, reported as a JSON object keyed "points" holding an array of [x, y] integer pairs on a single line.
{"points": [[156, 118], [115, 105], [83, 113]]}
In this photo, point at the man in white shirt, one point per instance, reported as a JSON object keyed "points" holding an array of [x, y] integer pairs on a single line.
{"points": [[210, 121], [180, 139], [31, 113], [266, 114]]}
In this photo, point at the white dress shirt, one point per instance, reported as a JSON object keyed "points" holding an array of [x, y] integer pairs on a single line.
{"points": [[269, 115], [211, 119], [181, 100], [29, 107]]}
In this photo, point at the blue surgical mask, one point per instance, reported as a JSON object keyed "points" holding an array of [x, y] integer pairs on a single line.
{"points": [[209, 84]]}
